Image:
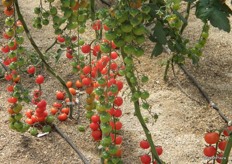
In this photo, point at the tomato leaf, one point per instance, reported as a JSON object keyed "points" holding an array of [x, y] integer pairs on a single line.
{"points": [[219, 19], [158, 49], [159, 33], [216, 12], [58, 54]]}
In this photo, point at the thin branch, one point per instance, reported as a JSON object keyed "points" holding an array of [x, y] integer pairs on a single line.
{"points": [[68, 140], [204, 94], [106, 3]]}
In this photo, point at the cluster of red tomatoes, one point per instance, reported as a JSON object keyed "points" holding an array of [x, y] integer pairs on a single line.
{"points": [[216, 144], [146, 158]]}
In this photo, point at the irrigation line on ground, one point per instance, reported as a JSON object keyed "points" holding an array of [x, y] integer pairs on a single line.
{"points": [[204, 94], [68, 140]]}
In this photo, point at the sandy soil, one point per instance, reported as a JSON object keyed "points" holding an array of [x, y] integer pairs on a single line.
{"points": [[181, 124]]}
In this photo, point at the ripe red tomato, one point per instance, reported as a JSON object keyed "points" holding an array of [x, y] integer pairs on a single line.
{"points": [[144, 144], [69, 55], [10, 88], [159, 150], [63, 117], [29, 121], [34, 118], [145, 159], [227, 131], [8, 11], [119, 84], [42, 104], [86, 69], [57, 105], [29, 113], [219, 157], [118, 101], [86, 48], [211, 138], [95, 118], [5, 49], [209, 151], [12, 100], [113, 55], [222, 145], [94, 126], [118, 140], [60, 95], [86, 81], [65, 110], [53, 110], [31, 69], [106, 28], [60, 39], [117, 112], [97, 134], [118, 125], [39, 79], [97, 25], [5, 36], [113, 66]]}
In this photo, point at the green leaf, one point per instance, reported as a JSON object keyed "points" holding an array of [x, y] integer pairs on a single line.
{"points": [[219, 19], [58, 55], [159, 33], [158, 49]]}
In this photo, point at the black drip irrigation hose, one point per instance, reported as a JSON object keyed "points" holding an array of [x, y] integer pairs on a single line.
{"points": [[204, 94], [82, 157]]}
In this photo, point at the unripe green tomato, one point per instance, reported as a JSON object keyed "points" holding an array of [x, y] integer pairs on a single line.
{"points": [[140, 39], [139, 52], [12, 54], [33, 131], [37, 10], [25, 127], [11, 43], [145, 105], [38, 26], [99, 91], [46, 128], [105, 155], [126, 27], [45, 14], [58, 31], [105, 48], [113, 149], [18, 125], [128, 60], [105, 117], [18, 116], [119, 42], [106, 141], [53, 11], [129, 37], [45, 22], [144, 95], [19, 29], [9, 21], [65, 3], [67, 13], [134, 21], [133, 80], [10, 32], [133, 12], [146, 9], [144, 79], [106, 128], [20, 49], [110, 35], [89, 114], [19, 40], [81, 30]]}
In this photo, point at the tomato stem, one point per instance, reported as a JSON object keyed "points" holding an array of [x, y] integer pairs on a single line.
{"points": [[141, 120]]}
